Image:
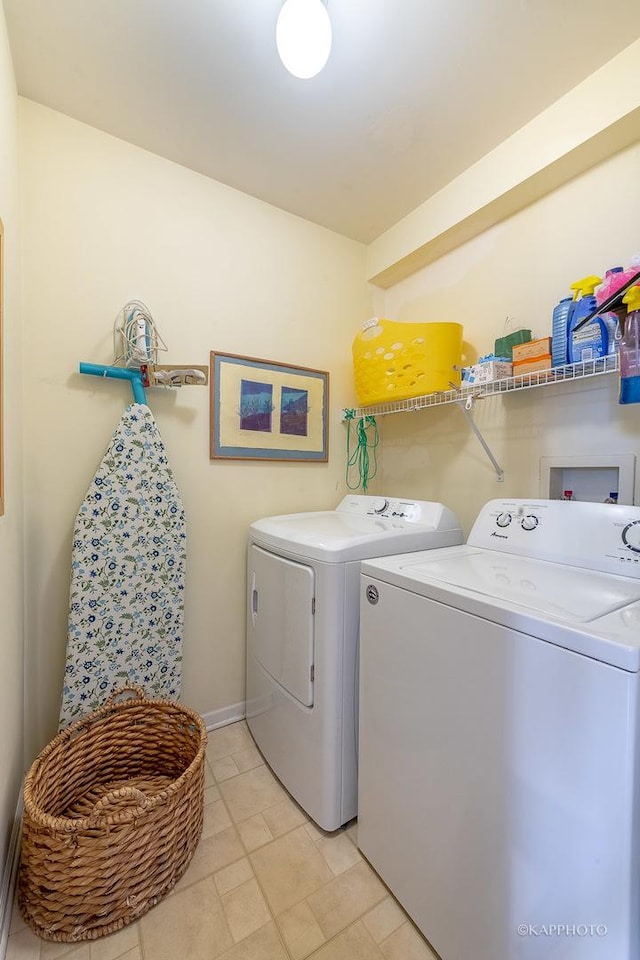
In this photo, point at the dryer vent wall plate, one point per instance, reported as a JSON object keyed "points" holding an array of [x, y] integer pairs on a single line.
{"points": [[594, 479]]}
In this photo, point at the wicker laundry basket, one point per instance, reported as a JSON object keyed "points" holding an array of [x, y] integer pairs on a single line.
{"points": [[112, 816]]}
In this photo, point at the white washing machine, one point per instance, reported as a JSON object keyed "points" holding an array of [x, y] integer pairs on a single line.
{"points": [[499, 733], [302, 637]]}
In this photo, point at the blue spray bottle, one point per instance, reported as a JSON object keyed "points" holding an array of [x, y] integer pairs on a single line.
{"points": [[592, 340], [560, 332]]}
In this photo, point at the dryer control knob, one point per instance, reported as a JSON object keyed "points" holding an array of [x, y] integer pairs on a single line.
{"points": [[503, 519], [379, 506], [530, 522]]}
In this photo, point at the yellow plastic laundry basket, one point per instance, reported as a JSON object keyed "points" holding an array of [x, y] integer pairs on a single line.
{"points": [[395, 361]]}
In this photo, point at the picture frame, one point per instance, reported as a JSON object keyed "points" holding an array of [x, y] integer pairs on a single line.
{"points": [[265, 410]]}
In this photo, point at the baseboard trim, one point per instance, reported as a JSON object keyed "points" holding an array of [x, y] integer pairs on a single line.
{"points": [[220, 718], [9, 875]]}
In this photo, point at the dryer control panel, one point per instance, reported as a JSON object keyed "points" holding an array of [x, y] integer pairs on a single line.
{"points": [[392, 508], [597, 536]]}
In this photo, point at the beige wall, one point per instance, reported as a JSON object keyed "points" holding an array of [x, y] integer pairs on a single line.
{"points": [[11, 548], [517, 269], [104, 222]]}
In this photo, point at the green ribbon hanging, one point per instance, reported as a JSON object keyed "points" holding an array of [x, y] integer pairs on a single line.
{"points": [[367, 439]]}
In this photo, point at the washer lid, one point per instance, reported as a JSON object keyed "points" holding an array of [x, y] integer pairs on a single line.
{"points": [[569, 593], [336, 537], [591, 613]]}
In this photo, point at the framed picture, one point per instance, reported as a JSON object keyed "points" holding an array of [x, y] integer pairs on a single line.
{"points": [[263, 410]]}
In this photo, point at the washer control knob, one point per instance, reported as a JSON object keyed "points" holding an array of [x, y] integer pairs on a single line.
{"points": [[530, 522], [631, 536], [503, 519], [379, 506]]}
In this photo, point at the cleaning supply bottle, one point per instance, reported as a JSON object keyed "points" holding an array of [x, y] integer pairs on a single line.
{"points": [[617, 277], [560, 332], [591, 340], [629, 347], [614, 278]]}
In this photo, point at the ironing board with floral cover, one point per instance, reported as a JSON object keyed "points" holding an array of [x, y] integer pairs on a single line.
{"points": [[126, 608]]}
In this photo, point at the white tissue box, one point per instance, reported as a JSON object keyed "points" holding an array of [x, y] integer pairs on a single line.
{"points": [[487, 372]]}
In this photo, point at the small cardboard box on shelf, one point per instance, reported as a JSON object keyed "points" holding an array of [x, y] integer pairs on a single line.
{"points": [[533, 350]]}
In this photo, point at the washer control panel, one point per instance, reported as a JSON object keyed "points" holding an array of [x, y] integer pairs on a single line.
{"points": [[527, 521], [631, 535], [597, 536]]}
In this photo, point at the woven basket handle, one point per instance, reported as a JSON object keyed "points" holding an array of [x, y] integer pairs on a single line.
{"points": [[118, 801], [119, 696]]}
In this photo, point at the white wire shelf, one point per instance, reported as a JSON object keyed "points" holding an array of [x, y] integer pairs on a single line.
{"points": [[478, 391]]}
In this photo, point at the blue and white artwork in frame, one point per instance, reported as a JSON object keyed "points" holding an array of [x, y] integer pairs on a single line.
{"points": [[264, 410]]}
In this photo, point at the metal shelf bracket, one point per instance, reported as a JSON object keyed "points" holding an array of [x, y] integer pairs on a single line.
{"points": [[467, 408]]}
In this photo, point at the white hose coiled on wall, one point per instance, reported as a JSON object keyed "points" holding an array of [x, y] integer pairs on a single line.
{"points": [[139, 336]]}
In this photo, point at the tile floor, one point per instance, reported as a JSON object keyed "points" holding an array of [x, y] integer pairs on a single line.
{"points": [[265, 884]]}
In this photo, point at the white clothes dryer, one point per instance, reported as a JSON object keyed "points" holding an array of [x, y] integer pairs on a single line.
{"points": [[302, 637], [500, 733]]}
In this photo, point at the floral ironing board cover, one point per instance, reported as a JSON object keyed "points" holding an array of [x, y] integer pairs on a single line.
{"points": [[126, 607]]}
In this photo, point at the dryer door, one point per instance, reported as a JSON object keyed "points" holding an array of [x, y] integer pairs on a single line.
{"points": [[280, 620]]}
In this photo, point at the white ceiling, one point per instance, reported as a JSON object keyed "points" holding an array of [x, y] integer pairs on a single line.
{"points": [[415, 91]]}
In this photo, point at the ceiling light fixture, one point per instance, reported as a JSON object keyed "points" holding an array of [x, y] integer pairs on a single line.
{"points": [[303, 37]]}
